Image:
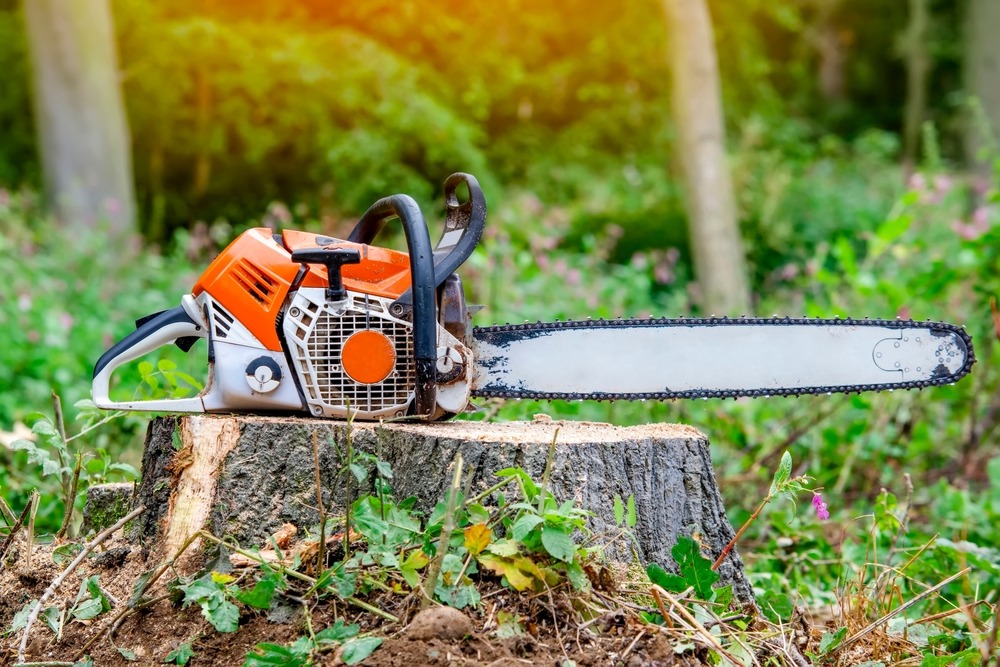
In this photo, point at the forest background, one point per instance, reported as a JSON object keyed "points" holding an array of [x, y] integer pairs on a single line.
{"points": [[861, 144]]}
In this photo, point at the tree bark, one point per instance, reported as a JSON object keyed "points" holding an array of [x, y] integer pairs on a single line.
{"points": [[244, 477], [982, 80], [719, 261], [82, 128]]}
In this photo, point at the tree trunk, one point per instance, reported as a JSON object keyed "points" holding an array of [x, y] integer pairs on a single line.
{"points": [[982, 81], [244, 477], [918, 65], [83, 132], [719, 261]]}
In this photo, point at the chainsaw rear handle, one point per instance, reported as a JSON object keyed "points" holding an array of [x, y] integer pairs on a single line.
{"points": [[167, 327], [463, 228], [422, 293]]}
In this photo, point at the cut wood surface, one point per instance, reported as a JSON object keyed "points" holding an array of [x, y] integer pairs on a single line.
{"points": [[245, 476]]}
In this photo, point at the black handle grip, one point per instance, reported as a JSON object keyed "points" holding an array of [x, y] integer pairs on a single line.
{"points": [[463, 228], [422, 293], [333, 259]]}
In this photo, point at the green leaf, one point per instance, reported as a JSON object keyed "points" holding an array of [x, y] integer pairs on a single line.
{"points": [[782, 474], [126, 470], [50, 467], [260, 596], [477, 513], [128, 654], [630, 516], [51, 617], [776, 606], [359, 472], [45, 427], [221, 613], [358, 649], [695, 568], [505, 547], [180, 655], [723, 595], [831, 640], [665, 580], [459, 597], [558, 542], [275, 655], [619, 511], [200, 590], [577, 577], [21, 617], [139, 588], [87, 610], [145, 369], [384, 468], [338, 632], [524, 525], [344, 582]]}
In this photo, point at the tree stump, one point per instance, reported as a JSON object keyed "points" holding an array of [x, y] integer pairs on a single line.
{"points": [[245, 476]]}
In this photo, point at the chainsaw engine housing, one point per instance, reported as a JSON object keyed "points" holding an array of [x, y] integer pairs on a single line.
{"points": [[333, 327]]}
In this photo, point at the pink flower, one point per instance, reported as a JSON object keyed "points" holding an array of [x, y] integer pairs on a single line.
{"points": [[822, 513], [942, 184], [976, 227], [918, 182]]}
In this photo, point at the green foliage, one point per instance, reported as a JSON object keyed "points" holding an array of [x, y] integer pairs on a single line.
{"points": [[180, 655], [215, 594], [91, 601]]}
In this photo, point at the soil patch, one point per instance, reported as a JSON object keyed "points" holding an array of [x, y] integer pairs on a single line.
{"points": [[506, 630]]}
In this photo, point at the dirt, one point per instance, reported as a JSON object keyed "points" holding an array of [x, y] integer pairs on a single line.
{"points": [[438, 636]]}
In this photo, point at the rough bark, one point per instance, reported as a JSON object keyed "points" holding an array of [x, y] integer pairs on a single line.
{"points": [[982, 80], [83, 132], [245, 476], [717, 247]]}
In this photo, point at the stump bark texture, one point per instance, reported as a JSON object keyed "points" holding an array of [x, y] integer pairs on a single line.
{"points": [[245, 476]]}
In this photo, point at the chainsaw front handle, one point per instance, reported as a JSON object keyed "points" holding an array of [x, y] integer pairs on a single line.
{"points": [[422, 295], [463, 228], [167, 327]]}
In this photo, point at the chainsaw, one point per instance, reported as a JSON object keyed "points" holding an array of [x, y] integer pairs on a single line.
{"points": [[305, 323]]}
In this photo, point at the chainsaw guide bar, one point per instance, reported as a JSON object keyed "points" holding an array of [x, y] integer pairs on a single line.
{"points": [[664, 358]]}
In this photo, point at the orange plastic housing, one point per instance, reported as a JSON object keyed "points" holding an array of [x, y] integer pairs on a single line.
{"points": [[382, 272], [252, 276]]}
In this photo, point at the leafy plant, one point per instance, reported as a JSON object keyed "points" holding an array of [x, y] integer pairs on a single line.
{"points": [[215, 594], [304, 649]]}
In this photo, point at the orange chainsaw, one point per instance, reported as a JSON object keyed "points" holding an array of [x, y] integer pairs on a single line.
{"points": [[305, 323]]}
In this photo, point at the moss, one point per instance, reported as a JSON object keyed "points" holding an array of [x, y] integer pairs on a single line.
{"points": [[106, 504]]}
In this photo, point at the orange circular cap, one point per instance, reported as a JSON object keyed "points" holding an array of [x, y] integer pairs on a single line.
{"points": [[368, 356]]}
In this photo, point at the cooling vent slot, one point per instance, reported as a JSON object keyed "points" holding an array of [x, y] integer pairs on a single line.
{"points": [[222, 322], [255, 281]]}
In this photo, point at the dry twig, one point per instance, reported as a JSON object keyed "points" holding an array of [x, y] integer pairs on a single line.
{"points": [[16, 527], [58, 581]]}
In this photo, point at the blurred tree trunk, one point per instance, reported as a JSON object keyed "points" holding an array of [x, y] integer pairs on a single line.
{"points": [[982, 77], [82, 128], [918, 63], [719, 262]]}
